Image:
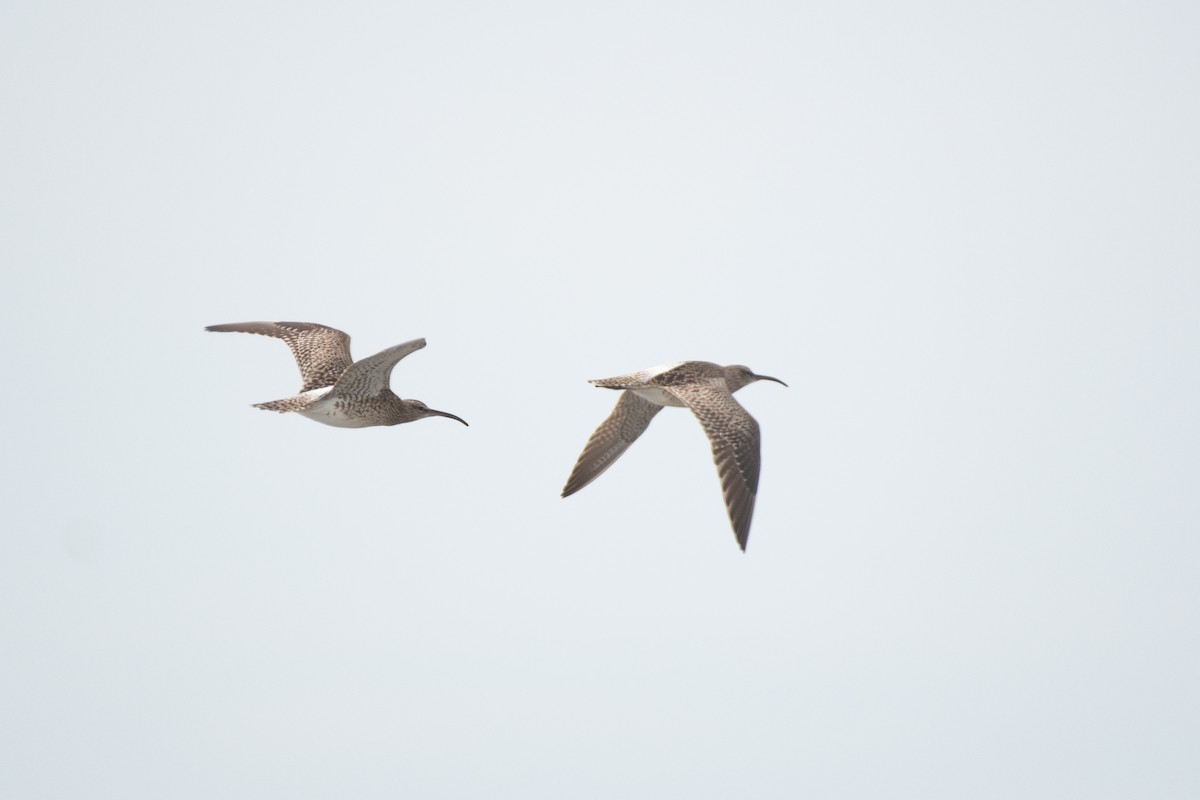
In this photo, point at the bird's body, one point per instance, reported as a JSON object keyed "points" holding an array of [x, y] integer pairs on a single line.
{"points": [[705, 388], [331, 408], [336, 389]]}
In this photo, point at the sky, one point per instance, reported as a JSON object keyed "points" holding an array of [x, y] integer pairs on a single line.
{"points": [[964, 234]]}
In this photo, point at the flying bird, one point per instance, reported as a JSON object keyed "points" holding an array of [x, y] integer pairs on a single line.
{"points": [[705, 388], [338, 390]]}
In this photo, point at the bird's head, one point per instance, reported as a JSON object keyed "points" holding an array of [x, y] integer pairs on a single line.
{"points": [[738, 375], [420, 411]]}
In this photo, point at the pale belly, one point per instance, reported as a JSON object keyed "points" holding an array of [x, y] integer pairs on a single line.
{"points": [[332, 412], [657, 396], [337, 419]]}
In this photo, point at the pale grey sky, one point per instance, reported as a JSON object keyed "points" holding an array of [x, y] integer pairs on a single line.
{"points": [[966, 235]]}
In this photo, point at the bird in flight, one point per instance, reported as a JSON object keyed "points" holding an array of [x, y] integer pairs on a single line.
{"points": [[705, 388], [338, 390]]}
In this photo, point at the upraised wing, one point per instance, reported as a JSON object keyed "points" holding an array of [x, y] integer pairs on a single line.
{"points": [[322, 353], [371, 376]]}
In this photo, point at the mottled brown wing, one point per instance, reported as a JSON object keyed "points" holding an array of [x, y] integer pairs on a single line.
{"points": [[622, 428], [371, 376], [322, 353], [735, 444]]}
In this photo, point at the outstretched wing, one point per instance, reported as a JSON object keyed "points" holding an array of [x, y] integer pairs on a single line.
{"points": [[322, 353], [370, 377], [622, 428], [735, 444]]}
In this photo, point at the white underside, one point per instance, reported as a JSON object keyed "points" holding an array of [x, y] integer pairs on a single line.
{"points": [[336, 418], [326, 411], [660, 397]]}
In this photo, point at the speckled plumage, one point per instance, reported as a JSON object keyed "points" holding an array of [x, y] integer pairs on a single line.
{"points": [[705, 388], [337, 390]]}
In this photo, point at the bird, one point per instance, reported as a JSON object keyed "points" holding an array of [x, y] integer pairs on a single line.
{"points": [[337, 390], [705, 388]]}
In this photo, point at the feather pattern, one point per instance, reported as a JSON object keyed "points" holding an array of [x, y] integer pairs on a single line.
{"points": [[322, 353], [622, 428]]}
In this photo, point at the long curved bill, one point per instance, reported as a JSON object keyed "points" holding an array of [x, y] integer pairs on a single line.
{"points": [[769, 378], [448, 414]]}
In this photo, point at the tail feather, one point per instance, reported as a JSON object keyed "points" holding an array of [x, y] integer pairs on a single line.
{"points": [[297, 403]]}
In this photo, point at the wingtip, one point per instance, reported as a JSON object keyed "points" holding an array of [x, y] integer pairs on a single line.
{"points": [[742, 537]]}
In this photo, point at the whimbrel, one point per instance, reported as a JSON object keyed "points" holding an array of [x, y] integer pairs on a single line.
{"points": [[338, 390], [707, 389]]}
